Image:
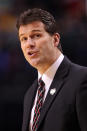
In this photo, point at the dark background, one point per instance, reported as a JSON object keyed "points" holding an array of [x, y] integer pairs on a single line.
{"points": [[16, 75]]}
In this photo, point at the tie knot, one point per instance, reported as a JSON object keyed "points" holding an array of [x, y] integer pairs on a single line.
{"points": [[41, 82]]}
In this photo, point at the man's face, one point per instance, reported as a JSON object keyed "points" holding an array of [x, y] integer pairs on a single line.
{"points": [[38, 46]]}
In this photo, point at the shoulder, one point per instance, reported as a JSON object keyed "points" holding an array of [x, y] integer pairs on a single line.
{"points": [[75, 73], [78, 69], [75, 68]]}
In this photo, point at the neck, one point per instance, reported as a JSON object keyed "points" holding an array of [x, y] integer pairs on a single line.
{"points": [[42, 69]]}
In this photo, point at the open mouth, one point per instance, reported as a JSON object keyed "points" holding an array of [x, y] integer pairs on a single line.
{"points": [[32, 53]]}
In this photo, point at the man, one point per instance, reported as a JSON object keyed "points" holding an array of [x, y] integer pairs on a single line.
{"points": [[62, 99]]}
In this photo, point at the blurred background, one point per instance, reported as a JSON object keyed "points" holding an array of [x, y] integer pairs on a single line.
{"points": [[16, 75]]}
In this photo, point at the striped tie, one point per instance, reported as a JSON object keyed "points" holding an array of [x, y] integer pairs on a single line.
{"points": [[41, 91]]}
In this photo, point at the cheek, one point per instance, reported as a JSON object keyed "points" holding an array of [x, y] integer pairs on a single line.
{"points": [[43, 44], [23, 50], [22, 47]]}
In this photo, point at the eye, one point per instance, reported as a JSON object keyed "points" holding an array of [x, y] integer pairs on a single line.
{"points": [[36, 36], [23, 39]]}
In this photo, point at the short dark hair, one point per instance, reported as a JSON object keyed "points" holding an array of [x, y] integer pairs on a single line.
{"points": [[37, 14]]}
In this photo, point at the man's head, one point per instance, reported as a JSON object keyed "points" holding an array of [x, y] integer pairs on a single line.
{"points": [[37, 14], [39, 38]]}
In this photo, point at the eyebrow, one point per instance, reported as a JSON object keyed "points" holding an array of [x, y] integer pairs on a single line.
{"points": [[31, 31], [36, 30], [20, 35]]}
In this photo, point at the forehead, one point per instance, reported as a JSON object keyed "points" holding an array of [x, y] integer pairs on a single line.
{"points": [[36, 26]]}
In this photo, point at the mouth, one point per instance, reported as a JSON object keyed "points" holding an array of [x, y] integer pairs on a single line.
{"points": [[32, 54]]}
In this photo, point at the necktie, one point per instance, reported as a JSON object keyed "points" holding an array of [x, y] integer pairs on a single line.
{"points": [[41, 91]]}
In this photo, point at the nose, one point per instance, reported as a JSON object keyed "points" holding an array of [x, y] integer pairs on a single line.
{"points": [[30, 43]]}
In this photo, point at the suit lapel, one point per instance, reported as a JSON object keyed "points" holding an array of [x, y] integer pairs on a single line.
{"points": [[56, 85], [30, 102]]}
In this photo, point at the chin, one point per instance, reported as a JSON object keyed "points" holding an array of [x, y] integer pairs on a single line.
{"points": [[34, 64]]}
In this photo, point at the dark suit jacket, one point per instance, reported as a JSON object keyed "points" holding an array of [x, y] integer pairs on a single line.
{"points": [[66, 110]]}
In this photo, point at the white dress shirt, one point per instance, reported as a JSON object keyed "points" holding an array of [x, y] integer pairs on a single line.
{"points": [[47, 77]]}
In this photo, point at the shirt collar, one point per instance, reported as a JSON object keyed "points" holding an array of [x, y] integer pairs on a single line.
{"points": [[50, 73]]}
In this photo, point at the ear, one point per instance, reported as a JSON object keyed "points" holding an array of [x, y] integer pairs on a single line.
{"points": [[56, 38]]}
